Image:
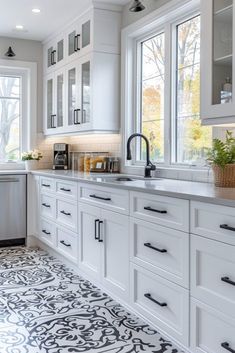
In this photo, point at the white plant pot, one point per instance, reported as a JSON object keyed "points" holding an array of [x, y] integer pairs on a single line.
{"points": [[31, 165]]}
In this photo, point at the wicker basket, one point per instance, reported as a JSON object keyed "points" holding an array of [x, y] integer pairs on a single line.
{"points": [[224, 177]]}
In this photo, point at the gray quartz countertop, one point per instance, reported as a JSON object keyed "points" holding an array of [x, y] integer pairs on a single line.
{"points": [[13, 172], [204, 192]]}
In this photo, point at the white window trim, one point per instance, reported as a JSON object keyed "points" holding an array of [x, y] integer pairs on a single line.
{"points": [[28, 72], [172, 13]]}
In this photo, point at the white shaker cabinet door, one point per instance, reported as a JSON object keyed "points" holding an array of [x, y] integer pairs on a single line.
{"points": [[115, 254], [90, 247]]}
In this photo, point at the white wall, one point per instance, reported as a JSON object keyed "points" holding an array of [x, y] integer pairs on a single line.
{"points": [[27, 50], [150, 5]]}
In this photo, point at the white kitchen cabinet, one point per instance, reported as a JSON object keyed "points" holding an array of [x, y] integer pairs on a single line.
{"points": [[161, 250], [104, 248], [81, 82], [213, 221], [115, 253], [86, 97], [90, 249], [213, 274], [54, 102], [163, 302], [217, 61], [211, 331], [78, 37], [112, 199], [54, 54], [166, 211]]}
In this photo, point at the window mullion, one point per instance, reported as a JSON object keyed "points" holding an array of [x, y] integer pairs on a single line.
{"points": [[167, 94]]}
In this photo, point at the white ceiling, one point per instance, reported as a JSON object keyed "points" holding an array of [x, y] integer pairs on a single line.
{"points": [[54, 15]]}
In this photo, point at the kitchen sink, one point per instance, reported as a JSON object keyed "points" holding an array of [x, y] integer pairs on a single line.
{"points": [[127, 178]]}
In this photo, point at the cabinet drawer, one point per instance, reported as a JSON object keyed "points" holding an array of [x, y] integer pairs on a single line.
{"points": [[66, 189], [67, 243], [211, 329], [166, 211], [109, 198], [164, 303], [47, 206], [47, 232], [213, 221], [66, 214], [47, 184], [213, 273], [161, 250]]}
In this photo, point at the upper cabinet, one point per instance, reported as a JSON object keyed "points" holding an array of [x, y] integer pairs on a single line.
{"points": [[217, 61], [81, 75]]}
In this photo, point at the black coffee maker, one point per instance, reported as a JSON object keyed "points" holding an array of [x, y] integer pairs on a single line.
{"points": [[61, 156]]}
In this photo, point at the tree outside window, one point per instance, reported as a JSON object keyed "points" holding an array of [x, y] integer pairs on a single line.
{"points": [[10, 111], [190, 140]]}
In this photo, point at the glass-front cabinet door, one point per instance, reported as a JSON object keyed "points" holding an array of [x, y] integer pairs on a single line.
{"points": [[86, 34], [73, 107], [217, 60], [86, 91], [50, 110], [60, 99], [73, 42], [60, 50]]}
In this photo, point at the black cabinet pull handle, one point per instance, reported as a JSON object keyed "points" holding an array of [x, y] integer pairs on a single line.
{"points": [[75, 117], [100, 198], [227, 280], [66, 190], [153, 210], [45, 232], [52, 121], [46, 185], [46, 205], [65, 244], [148, 245], [65, 213], [96, 236], [53, 57], [77, 42], [99, 233], [226, 346], [148, 296], [225, 226]]}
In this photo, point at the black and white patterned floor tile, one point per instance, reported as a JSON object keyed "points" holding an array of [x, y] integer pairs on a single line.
{"points": [[46, 308]]}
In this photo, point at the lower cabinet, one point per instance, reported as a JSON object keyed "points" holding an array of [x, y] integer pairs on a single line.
{"points": [[161, 301], [211, 331], [104, 248]]}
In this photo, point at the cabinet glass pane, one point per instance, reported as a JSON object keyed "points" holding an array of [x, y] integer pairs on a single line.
{"points": [[49, 103], [60, 100], [86, 94], [223, 51], [71, 95], [49, 56], [72, 42], [60, 50], [86, 34]]}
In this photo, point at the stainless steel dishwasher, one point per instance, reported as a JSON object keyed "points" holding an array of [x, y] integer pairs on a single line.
{"points": [[13, 207]]}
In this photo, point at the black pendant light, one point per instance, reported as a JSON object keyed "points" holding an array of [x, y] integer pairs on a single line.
{"points": [[137, 6], [10, 53]]}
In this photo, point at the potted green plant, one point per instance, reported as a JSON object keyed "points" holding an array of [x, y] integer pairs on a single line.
{"points": [[222, 159], [31, 159]]}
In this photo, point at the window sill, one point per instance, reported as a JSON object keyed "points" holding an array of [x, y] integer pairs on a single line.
{"points": [[198, 174], [12, 166]]}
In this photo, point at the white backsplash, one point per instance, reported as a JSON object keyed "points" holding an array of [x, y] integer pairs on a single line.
{"points": [[85, 143]]}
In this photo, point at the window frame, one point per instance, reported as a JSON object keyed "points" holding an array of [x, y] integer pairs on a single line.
{"points": [[174, 47], [28, 125], [165, 19]]}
